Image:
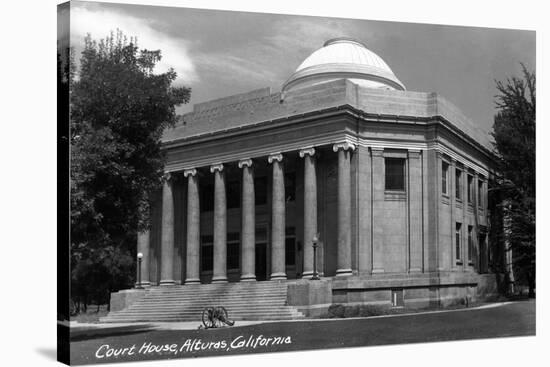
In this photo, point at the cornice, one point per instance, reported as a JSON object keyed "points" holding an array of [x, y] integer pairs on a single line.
{"points": [[345, 109]]}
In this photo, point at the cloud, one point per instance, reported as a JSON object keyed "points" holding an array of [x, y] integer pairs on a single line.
{"points": [[99, 22]]}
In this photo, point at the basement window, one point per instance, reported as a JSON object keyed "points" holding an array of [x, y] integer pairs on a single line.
{"points": [[397, 298]]}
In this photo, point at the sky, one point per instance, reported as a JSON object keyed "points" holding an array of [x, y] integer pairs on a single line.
{"points": [[221, 53]]}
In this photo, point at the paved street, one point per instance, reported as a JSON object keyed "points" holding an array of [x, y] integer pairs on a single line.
{"points": [[511, 319]]}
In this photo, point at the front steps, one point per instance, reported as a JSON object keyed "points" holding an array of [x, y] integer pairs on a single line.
{"points": [[243, 301]]}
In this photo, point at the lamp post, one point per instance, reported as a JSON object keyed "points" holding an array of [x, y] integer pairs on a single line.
{"points": [[140, 257], [315, 241]]}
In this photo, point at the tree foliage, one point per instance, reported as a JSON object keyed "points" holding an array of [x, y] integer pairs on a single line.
{"points": [[119, 110], [514, 134]]}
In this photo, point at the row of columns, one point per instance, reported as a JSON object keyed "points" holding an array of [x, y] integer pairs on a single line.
{"points": [[248, 226]]}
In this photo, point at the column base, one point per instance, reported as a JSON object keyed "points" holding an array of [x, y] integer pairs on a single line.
{"points": [[219, 279], [308, 274], [167, 282], [278, 276], [192, 281], [344, 272], [248, 278], [144, 284]]}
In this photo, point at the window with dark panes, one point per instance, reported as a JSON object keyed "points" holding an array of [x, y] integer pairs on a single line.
{"points": [[457, 240], [470, 243], [207, 253], [290, 246], [458, 190], [445, 178], [260, 190], [395, 174], [480, 193], [233, 194], [233, 250], [290, 186], [207, 198], [470, 189]]}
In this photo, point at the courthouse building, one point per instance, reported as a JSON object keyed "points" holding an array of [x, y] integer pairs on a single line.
{"points": [[392, 183]]}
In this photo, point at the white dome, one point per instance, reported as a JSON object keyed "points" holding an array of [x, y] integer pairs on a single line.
{"points": [[344, 58]]}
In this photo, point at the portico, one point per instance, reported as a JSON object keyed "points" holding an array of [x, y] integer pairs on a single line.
{"points": [[243, 173]]}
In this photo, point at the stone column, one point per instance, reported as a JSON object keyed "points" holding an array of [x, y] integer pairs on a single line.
{"points": [[278, 269], [452, 198], [167, 238], [440, 211], [378, 189], [248, 223], [475, 229], [344, 208], [220, 225], [310, 208], [143, 247], [193, 227], [415, 211]]}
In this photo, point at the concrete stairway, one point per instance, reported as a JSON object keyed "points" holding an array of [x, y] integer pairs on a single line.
{"points": [[243, 301]]}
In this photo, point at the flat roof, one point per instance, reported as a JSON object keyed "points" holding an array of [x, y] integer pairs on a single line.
{"points": [[262, 105]]}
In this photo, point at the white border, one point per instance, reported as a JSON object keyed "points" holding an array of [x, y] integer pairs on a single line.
{"points": [[28, 182]]}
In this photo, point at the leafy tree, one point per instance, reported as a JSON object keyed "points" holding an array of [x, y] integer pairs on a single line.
{"points": [[514, 135], [119, 110]]}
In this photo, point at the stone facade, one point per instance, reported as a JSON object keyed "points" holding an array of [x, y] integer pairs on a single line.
{"points": [[392, 183]]}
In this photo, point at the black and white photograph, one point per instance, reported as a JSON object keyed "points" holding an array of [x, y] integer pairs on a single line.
{"points": [[241, 182]]}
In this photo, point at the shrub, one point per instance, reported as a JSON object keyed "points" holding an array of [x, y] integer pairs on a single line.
{"points": [[336, 311]]}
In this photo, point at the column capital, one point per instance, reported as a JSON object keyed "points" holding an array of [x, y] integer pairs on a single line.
{"points": [[189, 172], [167, 176], [216, 167], [344, 146], [307, 151], [275, 157], [245, 163], [453, 162]]}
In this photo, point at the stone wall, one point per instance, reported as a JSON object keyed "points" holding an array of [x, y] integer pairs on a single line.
{"points": [[124, 298]]}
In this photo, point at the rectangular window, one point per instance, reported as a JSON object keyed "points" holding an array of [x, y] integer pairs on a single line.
{"points": [[444, 178], [290, 246], [207, 198], [233, 194], [395, 174], [470, 189], [457, 241], [233, 250], [470, 243], [480, 193], [260, 190], [207, 253], [397, 298], [290, 186], [458, 190]]}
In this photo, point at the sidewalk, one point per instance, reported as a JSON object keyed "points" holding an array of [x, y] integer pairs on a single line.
{"points": [[89, 329]]}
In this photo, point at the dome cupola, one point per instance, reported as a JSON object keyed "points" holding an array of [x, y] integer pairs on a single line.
{"points": [[344, 58]]}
